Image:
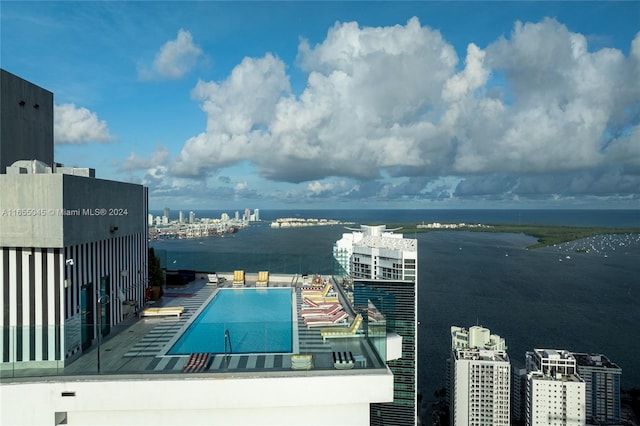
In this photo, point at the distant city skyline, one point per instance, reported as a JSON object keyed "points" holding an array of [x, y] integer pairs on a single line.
{"points": [[383, 105]]}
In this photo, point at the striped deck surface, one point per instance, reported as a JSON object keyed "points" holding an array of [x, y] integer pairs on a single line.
{"points": [[220, 362], [309, 338], [153, 343]]}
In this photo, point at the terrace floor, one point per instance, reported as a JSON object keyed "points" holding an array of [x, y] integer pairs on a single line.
{"points": [[138, 345]]}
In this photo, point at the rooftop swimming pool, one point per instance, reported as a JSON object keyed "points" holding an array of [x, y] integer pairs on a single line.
{"points": [[254, 321]]}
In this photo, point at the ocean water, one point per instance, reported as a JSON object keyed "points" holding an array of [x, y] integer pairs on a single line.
{"points": [[554, 297]]}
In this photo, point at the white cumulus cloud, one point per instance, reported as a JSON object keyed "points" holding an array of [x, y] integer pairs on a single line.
{"points": [[78, 125], [238, 110], [399, 101], [174, 60], [156, 159]]}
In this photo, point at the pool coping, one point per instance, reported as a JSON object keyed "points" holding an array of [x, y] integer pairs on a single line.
{"points": [[295, 342]]}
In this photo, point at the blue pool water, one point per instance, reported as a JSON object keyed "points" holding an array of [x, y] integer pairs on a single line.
{"points": [[258, 321]]}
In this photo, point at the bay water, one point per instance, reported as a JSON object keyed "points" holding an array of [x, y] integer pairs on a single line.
{"points": [[581, 296]]}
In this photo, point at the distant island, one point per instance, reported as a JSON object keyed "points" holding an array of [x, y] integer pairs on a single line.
{"points": [[296, 222], [547, 235]]}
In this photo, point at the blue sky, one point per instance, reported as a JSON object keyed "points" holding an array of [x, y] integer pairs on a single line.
{"points": [[227, 105]]}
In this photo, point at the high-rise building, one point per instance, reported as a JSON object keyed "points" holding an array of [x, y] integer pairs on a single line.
{"points": [[22, 103], [384, 271], [192, 217], [73, 248], [555, 392], [256, 215], [518, 394], [181, 217], [342, 251], [480, 376], [602, 388], [167, 212]]}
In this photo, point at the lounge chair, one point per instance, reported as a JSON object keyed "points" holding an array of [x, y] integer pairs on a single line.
{"points": [[310, 302], [326, 320], [197, 362], [333, 332], [323, 296], [331, 298], [343, 360], [214, 279], [321, 292], [314, 312], [263, 279], [301, 361], [238, 278], [166, 311]]}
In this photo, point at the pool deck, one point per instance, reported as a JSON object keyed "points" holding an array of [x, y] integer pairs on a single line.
{"points": [[138, 344]]}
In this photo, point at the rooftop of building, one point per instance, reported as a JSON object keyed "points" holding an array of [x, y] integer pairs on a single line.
{"points": [[476, 337], [538, 375], [37, 167], [554, 354], [594, 360], [139, 344], [406, 244], [481, 355]]}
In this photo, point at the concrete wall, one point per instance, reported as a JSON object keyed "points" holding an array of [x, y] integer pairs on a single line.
{"points": [[45, 220], [57, 210], [105, 209], [26, 121], [30, 210], [302, 399]]}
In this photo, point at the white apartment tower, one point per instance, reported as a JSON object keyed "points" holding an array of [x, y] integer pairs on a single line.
{"points": [[384, 270], [342, 251], [480, 375], [555, 392], [375, 252]]}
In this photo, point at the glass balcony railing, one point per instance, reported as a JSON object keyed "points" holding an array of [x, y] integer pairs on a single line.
{"points": [[228, 347], [180, 344]]}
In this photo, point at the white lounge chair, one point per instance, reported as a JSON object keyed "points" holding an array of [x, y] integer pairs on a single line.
{"points": [[326, 320], [333, 332], [301, 361], [166, 311], [327, 310]]}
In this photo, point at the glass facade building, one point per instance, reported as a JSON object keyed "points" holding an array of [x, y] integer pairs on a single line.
{"points": [[396, 301]]}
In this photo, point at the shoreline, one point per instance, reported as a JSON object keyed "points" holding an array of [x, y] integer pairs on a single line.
{"points": [[547, 235]]}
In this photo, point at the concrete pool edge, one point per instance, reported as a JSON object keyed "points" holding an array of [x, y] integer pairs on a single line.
{"points": [[294, 344]]}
